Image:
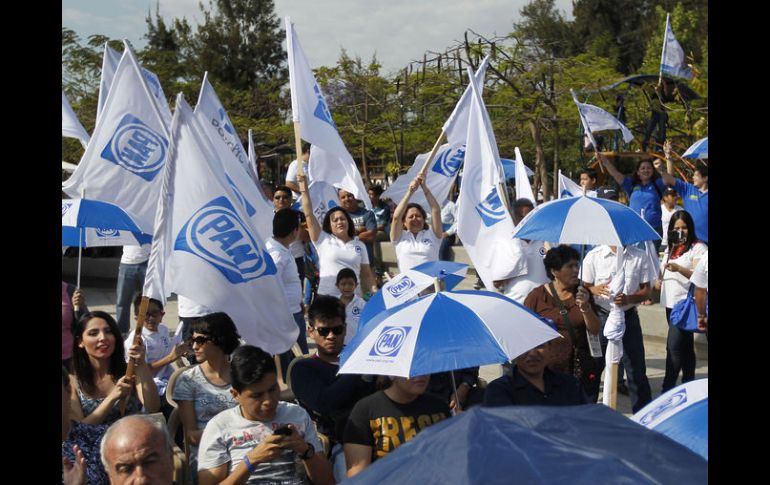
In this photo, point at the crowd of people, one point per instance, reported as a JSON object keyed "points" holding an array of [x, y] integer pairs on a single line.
{"points": [[235, 427]]}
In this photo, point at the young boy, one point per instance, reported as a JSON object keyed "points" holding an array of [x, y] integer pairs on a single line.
{"points": [[354, 304], [161, 349]]}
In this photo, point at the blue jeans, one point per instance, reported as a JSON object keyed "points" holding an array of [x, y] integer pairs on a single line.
{"points": [[446, 243], [680, 355], [633, 359], [130, 283]]}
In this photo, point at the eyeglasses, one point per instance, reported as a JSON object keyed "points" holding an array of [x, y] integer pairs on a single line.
{"points": [[324, 331], [200, 340]]}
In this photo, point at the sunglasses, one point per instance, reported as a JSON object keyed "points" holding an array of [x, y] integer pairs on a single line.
{"points": [[324, 331], [200, 340]]}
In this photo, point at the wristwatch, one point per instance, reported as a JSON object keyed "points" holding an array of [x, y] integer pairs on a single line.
{"points": [[309, 452]]}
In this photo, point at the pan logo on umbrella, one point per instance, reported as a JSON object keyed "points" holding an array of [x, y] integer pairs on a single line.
{"points": [[401, 287], [322, 110], [65, 207], [136, 148], [446, 165], [390, 341], [216, 234], [673, 401], [107, 233], [491, 209]]}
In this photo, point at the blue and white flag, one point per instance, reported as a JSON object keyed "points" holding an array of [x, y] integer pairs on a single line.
{"points": [[252, 169], [672, 61], [128, 149], [456, 126], [218, 259], [323, 197], [70, 124], [596, 119], [523, 189], [568, 188], [230, 153], [483, 222], [110, 65], [331, 161]]}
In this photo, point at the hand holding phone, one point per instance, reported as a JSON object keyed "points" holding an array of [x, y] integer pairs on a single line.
{"points": [[284, 430]]}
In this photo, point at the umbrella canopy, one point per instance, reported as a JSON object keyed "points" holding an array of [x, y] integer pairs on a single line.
{"points": [[585, 220], [699, 149], [509, 168], [444, 331], [538, 444], [407, 285], [682, 414], [103, 224]]}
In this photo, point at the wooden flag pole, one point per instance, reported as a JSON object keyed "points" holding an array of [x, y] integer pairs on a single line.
{"points": [[80, 245], [137, 340], [432, 154], [612, 386], [298, 146]]}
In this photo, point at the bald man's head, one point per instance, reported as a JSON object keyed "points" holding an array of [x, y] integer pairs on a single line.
{"points": [[137, 450]]}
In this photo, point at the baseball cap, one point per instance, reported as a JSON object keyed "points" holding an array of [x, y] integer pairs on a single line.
{"points": [[606, 192]]}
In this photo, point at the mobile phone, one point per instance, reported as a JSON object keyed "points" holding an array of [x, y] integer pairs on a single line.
{"points": [[283, 430]]}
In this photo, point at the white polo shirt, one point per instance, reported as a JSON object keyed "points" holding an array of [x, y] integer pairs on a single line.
{"points": [[675, 285], [353, 316], [135, 254], [286, 271], [700, 275], [518, 287], [599, 268], [412, 250], [291, 175], [333, 255]]}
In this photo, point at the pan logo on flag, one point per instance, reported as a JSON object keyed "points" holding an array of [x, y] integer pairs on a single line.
{"points": [[216, 234], [107, 233], [446, 165], [322, 110], [250, 210], [401, 287], [491, 209], [675, 400], [137, 148], [152, 82], [390, 341], [65, 207]]}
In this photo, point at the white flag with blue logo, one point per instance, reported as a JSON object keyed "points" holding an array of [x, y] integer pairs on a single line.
{"points": [[213, 118], [483, 222], [218, 259], [70, 124], [672, 61], [523, 189], [596, 119], [323, 197], [568, 188], [330, 160], [127, 151], [110, 65], [456, 126]]}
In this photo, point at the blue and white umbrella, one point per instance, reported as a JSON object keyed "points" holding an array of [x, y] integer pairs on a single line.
{"points": [[442, 332], [585, 220], [509, 168], [681, 414], [699, 149]]}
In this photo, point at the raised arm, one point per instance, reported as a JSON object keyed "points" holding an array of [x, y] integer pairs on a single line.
{"points": [[435, 211], [667, 175], [611, 168], [395, 226], [313, 228]]}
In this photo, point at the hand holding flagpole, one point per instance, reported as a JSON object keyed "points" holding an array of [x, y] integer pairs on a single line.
{"points": [[137, 340]]}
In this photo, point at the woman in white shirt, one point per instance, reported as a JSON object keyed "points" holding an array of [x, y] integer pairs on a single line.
{"points": [[337, 246], [679, 261], [419, 243]]}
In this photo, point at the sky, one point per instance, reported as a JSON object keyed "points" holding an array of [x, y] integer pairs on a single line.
{"points": [[398, 31]]}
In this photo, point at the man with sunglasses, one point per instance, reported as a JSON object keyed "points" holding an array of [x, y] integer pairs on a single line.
{"points": [[328, 398]]}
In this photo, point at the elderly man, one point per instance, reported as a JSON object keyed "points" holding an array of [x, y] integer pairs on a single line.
{"points": [[137, 449]]}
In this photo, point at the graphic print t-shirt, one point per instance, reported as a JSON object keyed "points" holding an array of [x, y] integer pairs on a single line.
{"points": [[384, 424]]}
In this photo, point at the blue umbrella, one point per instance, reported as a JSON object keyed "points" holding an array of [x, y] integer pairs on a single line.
{"points": [[585, 220], [699, 149], [406, 286], [586, 444], [92, 237], [682, 414], [444, 331], [509, 168]]}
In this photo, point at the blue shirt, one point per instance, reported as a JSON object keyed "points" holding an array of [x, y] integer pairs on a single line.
{"points": [[697, 204], [647, 197]]}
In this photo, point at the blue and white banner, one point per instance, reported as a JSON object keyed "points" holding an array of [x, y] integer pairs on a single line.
{"points": [[456, 126], [439, 176], [323, 197], [331, 161], [212, 117], [483, 222], [568, 188], [672, 61], [110, 65], [218, 259], [596, 119], [523, 189], [70, 124], [128, 149]]}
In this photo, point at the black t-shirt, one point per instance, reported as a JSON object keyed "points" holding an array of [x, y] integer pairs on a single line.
{"points": [[384, 424], [560, 390]]}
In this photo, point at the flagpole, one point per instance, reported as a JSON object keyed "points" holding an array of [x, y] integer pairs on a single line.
{"points": [[80, 244], [137, 340], [298, 148], [432, 154], [663, 53]]}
